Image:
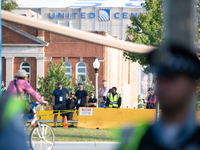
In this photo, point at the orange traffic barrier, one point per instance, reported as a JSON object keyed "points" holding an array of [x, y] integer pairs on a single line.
{"points": [[33, 125], [65, 121]]}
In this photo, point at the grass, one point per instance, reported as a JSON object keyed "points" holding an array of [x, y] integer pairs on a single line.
{"points": [[82, 135]]}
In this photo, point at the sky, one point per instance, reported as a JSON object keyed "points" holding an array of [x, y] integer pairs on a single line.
{"points": [[79, 3]]}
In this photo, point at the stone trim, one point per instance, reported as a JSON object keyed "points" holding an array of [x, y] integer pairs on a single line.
{"points": [[41, 37], [47, 58], [9, 57], [101, 59], [22, 45], [40, 58], [22, 51], [81, 59]]}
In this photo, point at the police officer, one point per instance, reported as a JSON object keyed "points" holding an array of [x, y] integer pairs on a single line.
{"points": [[177, 70], [113, 99]]}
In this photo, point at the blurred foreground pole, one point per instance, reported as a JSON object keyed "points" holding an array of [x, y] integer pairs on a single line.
{"points": [[180, 20], [180, 29]]}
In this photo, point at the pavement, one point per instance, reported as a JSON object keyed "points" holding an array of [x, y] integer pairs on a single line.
{"points": [[85, 145]]}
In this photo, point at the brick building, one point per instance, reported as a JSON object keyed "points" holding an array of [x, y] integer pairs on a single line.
{"points": [[32, 49]]}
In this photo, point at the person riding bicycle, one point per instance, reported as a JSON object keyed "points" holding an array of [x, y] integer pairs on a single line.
{"points": [[20, 85]]}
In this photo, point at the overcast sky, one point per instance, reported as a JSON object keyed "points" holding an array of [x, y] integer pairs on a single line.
{"points": [[79, 3]]}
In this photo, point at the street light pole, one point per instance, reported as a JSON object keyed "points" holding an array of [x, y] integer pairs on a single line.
{"points": [[96, 66], [96, 85]]}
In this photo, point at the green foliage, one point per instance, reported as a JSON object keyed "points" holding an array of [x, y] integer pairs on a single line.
{"points": [[198, 38], [87, 84], [55, 73], [146, 29], [8, 5]]}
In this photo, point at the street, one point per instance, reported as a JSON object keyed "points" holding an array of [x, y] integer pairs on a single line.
{"points": [[85, 145]]}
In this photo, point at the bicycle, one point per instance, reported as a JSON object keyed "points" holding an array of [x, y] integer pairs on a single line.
{"points": [[42, 135]]}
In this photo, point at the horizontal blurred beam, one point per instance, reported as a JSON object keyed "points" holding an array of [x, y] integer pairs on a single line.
{"points": [[78, 34]]}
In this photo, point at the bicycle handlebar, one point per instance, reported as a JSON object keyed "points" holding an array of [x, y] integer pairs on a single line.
{"points": [[34, 103]]}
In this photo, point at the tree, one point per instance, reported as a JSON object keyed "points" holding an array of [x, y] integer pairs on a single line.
{"points": [[8, 5], [146, 29], [140, 103], [87, 84], [198, 98], [55, 73], [197, 40]]}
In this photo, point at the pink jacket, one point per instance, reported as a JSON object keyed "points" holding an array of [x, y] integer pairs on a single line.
{"points": [[154, 101], [104, 92], [23, 87]]}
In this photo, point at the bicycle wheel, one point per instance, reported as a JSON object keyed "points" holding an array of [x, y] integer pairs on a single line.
{"points": [[37, 142]]}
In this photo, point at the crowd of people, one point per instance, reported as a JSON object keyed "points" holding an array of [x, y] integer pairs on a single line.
{"points": [[63, 99]]}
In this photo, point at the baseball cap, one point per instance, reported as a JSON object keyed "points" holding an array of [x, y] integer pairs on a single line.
{"points": [[59, 83], [80, 83], [150, 89], [173, 60]]}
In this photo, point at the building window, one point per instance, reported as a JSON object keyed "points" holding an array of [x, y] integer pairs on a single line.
{"points": [[81, 71], [27, 67], [68, 69]]}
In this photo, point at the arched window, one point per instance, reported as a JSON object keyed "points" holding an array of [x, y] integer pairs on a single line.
{"points": [[81, 71], [68, 69], [27, 67]]}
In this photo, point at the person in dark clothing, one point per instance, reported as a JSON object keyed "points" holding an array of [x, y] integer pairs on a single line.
{"points": [[70, 105], [177, 84], [82, 96], [59, 100], [113, 99], [92, 100], [151, 99]]}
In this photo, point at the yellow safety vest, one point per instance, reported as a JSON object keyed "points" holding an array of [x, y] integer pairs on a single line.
{"points": [[3, 89], [113, 101]]}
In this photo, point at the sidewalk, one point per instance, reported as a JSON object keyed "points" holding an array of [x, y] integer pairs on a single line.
{"points": [[85, 145]]}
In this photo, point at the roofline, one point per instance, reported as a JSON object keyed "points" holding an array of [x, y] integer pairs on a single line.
{"points": [[29, 36], [22, 45]]}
